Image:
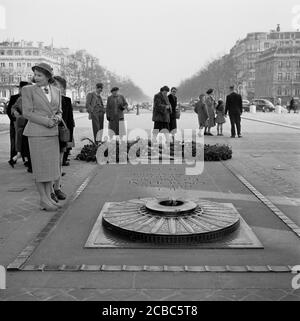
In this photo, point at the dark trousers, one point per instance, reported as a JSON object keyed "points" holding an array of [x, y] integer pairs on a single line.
{"points": [[235, 120], [12, 132], [98, 123]]}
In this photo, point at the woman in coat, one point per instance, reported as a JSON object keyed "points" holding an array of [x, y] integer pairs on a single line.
{"points": [[201, 110], [42, 107], [116, 104], [173, 121], [211, 108]]}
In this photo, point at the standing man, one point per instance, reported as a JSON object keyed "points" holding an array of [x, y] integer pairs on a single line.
{"points": [[161, 113], [116, 104], [96, 110], [234, 106], [12, 101], [173, 120]]}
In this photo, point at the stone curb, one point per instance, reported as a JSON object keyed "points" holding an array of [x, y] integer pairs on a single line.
{"points": [[153, 268], [272, 123]]}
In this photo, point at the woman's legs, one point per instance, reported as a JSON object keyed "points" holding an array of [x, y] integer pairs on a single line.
{"points": [[44, 200]]}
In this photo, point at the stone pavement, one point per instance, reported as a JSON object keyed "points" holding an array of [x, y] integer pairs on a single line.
{"points": [[271, 171]]}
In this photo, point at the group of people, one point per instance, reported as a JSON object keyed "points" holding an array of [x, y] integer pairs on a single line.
{"points": [[210, 112], [114, 109], [36, 114]]}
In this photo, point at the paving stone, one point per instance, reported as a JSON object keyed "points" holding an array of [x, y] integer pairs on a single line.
{"points": [[71, 268], [271, 294], [279, 268], [258, 269], [196, 269], [153, 268], [174, 268], [216, 268], [45, 294], [62, 297], [236, 269], [23, 297], [133, 268], [91, 268], [112, 268], [51, 267], [253, 297], [158, 295]]}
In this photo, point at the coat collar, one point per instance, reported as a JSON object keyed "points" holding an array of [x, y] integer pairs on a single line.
{"points": [[39, 91]]}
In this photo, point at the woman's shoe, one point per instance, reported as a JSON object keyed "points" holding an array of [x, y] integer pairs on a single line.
{"points": [[60, 195], [12, 163], [48, 207], [54, 197], [29, 170]]}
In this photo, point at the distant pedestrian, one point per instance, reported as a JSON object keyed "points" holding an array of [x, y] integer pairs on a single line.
{"points": [[173, 120], [161, 113], [211, 108], [220, 117], [201, 110], [96, 110], [116, 105], [234, 106], [21, 141], [293, 106], [12, 130]]}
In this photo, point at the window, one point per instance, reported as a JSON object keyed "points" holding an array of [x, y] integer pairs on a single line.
{"points": [[29, 77], [28, 53], [3, 93], [2, 64], [281, 64], [35, 53], [19, 64], [280, 76], [19, 78], [267, 45], [298, 64], [288, 76], [288, 64], [297, 92], [29, 64], [11, 79], [3, 79], [298, 76], [2, 52], [279, 91], [9, 52], [11, 64], [18, 53]]}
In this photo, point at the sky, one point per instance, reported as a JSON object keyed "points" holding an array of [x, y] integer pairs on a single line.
{"points": [[154, 42]]}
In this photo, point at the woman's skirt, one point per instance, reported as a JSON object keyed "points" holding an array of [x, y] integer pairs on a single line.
{"points": [[44, 152], [220, 119]]}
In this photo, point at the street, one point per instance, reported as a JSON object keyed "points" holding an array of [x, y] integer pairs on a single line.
{"points": [[266, 158]]}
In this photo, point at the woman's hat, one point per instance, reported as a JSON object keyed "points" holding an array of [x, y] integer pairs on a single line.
{"points": [[210, 91], [45, 67]]}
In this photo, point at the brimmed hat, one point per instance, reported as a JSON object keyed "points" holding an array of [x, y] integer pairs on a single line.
{"points": [[99, 85], [114, 89], [45, 67], [210, 91]]}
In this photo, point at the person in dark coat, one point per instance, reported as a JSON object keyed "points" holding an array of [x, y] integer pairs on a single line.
{"points": [[12, 130], [234, 106], [67, 116], [21, 141], [116, 105], [202, 112], [173, 121], [161, 112]]}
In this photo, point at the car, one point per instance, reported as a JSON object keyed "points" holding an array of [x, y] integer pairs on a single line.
{"points": [[79, 105], [186, 107], [263, 105], [246, 105]]}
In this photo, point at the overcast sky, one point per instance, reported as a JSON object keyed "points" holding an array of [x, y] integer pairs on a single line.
{"points": [[154, 42]]}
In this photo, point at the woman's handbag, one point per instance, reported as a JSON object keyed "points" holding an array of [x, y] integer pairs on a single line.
{"points": [[64, 132]]}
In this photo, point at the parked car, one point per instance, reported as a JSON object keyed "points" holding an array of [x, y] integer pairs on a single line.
{"points": [[263, 105], [186, 107], [79, 105], [246, 105]]}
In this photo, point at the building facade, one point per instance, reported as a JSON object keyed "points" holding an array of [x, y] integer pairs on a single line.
{"points": [[278, 73], [246, 53], [17, 59]]}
